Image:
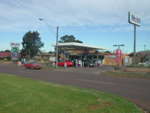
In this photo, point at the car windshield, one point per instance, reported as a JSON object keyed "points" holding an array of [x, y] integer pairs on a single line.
{"points": [[61, 61]]}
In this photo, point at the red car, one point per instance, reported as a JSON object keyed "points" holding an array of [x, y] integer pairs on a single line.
{"points": [[69, 63], [32, 65]]}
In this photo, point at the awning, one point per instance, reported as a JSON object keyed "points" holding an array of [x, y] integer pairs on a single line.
{"points": [[79, 46]]}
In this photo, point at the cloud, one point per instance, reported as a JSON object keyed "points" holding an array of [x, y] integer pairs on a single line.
{"points": [[18, 15]]}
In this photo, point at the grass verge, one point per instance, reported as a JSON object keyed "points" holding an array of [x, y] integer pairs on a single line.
{"points": [[23, 95], [127, 74]]}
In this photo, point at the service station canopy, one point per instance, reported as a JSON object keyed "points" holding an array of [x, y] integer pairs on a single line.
{"points": [[74, 45]]}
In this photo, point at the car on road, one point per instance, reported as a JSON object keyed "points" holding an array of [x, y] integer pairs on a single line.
{"points": [[88, 63], [68, 63], [32, 65]]}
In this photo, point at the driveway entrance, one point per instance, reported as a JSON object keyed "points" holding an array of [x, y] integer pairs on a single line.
{"points": [[88, 70]]}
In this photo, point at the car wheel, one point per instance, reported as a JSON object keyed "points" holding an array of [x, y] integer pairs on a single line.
{"points": [[26, 67], [31, 67], [88, 66]]}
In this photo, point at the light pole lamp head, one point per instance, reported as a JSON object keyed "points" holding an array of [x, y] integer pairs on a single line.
{"points": [[122, 45], [40, 19], [115, 45]]}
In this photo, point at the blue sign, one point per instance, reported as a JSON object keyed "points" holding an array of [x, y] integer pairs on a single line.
{"points": [[66, 53]]}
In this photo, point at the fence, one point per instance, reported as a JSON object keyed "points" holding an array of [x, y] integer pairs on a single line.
{"points": [[139, 70]]}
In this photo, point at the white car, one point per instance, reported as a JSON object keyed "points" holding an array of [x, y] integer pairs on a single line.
{"points": [[145, 63]]}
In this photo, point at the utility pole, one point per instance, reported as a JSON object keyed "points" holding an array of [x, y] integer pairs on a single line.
{"points": [[144, 48], [29, 54], [56, 65]]}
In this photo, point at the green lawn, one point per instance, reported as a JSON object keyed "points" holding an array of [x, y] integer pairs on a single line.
{"points": [[127, 74], [24, 95]]}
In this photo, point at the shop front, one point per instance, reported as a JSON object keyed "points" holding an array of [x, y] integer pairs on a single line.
{"points": [[79, 53]]}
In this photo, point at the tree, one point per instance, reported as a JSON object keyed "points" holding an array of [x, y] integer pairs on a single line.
{"points": [[50, 52], [7, 50], [31, 43], [107, 51], [8, 57], [144, 55], [70, 38]]}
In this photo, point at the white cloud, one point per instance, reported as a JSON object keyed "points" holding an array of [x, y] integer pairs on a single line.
{"points": [[21, 15]]}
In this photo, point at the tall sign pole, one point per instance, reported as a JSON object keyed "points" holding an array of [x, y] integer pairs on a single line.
{"points": [[136, 21], [134, 45]]}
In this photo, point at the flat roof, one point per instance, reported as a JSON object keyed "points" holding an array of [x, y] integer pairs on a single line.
{"points": [[79, 46]]}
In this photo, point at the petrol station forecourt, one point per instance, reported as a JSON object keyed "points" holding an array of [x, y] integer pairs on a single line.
{"points": [[78, 51]]}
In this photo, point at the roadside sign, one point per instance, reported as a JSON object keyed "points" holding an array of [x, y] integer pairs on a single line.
{"points": [[118, 55], [14, 44], [14, 52], [134, 19]]}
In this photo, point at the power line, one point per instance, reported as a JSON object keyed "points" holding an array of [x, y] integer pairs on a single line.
{"points": [[48, 26]]}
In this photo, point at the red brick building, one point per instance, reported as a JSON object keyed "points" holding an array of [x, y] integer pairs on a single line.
{"points": [[4, 55], [110, 59]]}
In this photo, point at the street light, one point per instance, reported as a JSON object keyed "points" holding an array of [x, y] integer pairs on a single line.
{"points": [[116, 53], [119, 45], [56, 65]]}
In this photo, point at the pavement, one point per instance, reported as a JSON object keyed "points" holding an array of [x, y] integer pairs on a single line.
{"points": [[87, 70], [133, 89]]}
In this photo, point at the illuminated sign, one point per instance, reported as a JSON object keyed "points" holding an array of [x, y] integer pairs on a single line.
{"points": [[14, 44], [118, 55], [111, 56], [134, 19], [14, 52]]}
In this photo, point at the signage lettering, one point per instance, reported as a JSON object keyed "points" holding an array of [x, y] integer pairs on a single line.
{"points": [[13, 44], [111, 56], [15, 55], [134, 19], [118, 55]]}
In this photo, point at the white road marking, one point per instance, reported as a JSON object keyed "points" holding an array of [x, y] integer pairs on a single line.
{"points": [[24, 72], [96, 81]]}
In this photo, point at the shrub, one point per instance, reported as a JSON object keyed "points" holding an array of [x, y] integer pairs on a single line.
{"points": [[116, 67]]}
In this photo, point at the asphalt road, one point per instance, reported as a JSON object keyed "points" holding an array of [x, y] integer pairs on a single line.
{"points": [[135, 90]]}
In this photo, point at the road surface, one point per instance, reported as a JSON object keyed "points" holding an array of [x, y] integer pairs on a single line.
{"points": [[135, 90]]}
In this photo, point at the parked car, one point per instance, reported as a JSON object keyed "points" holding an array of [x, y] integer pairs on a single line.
{"points": [[88, 63], [32, 65], [68, 63], [147, 63]]}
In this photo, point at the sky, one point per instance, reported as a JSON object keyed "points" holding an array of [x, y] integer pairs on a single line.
{"points": [[95, 22]]}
